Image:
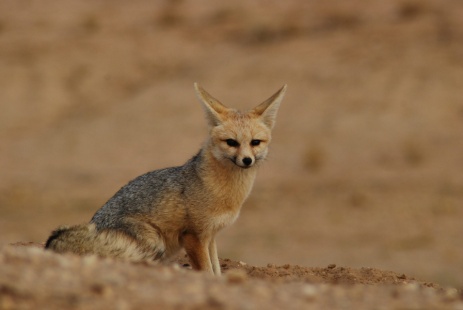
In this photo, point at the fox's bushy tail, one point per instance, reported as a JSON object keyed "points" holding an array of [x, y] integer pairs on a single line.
{"points": [[85, 239]]}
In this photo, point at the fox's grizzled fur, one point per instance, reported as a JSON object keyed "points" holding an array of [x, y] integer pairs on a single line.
{"points": [[162, 211]]}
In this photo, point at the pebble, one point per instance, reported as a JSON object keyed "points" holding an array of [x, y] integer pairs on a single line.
{"points": [[101, 289], [402, 276], [175, 266], [451, 294], [411, 287], [309, 291]]}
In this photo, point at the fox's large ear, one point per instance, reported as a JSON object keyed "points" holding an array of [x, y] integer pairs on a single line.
{"points": [[214, 109], [268, 109]]}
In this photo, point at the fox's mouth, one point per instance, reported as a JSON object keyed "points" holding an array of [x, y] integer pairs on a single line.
{"points": [[244, 167]]}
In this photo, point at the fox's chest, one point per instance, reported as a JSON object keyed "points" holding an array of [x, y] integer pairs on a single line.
{"points": [[224, 219]]}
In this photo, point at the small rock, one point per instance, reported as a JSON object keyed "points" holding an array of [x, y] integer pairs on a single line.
{"points": [[411, 287], [402, 277], [331, 266], [176, 266], [309, 291], [451, 294], [102, 290]]}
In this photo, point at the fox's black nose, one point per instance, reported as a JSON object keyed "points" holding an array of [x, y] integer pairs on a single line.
{"points": [[247, 161]]}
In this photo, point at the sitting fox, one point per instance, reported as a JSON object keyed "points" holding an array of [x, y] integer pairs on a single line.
{"points": [[158, 213]]}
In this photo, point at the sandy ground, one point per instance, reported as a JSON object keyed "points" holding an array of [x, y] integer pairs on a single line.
{"points": [[365, 168], [31, 278]]}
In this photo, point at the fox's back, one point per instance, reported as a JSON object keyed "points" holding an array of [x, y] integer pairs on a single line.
{"points": [[149, 194]]}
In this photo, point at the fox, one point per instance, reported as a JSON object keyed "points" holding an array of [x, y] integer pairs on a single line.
{"points": [[160, 212]]}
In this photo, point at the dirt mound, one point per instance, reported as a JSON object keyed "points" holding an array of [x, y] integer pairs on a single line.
{"points": [[32, 278]]}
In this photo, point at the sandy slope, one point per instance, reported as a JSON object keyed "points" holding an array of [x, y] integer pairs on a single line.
{"points": [[31, 278]]}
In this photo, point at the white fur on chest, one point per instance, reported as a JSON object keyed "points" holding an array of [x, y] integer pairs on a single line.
{"points": [[224, 219]]}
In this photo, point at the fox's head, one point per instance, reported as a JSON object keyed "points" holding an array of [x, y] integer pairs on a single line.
{"points": [[241, 138]]}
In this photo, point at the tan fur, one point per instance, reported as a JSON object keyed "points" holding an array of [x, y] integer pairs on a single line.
{"points": [[156, 214]]}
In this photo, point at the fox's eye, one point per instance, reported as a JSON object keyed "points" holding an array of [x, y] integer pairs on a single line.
{"points": [[232, 143], [255, 142]]}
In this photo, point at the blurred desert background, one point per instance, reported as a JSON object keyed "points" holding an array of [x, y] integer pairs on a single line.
{"points": [[366, 163]]}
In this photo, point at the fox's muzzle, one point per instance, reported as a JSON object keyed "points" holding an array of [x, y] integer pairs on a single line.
{"points": [[246, 162]]}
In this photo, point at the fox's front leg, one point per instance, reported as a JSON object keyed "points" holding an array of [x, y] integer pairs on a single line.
{"points": [[198, 252], [214, 258]]}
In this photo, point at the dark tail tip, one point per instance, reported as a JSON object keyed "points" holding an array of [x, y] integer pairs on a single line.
{"points": [[55, 235]]}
